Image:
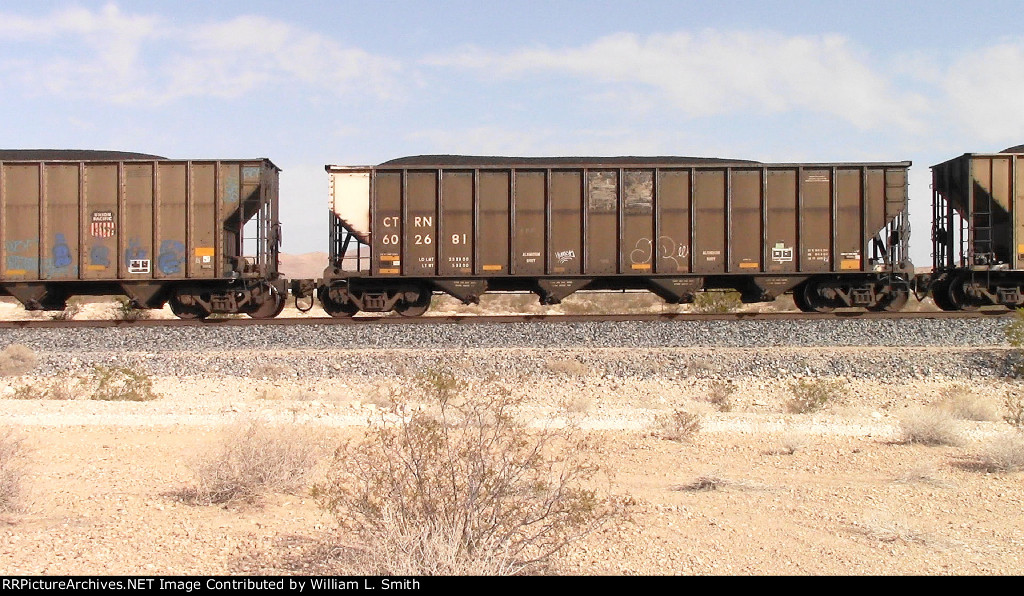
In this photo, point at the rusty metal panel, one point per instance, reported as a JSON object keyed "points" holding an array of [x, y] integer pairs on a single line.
{"points": [[709, 246], [849, 231], [781, 220], [136, 222], [564, 249], [673, 221], [456, 231], [420, 259], [638, 242], [492, 236], [99, 229], [21, 195], [387, 224], [816, 220], [529, 238], [745, 221], [170, 206], [58, 259], [202, 221], [874, 201], [1017, 209], [230, 213], [602, 222]]}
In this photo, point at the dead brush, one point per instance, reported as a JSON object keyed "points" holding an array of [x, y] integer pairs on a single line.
{"points": [[461, 487], [962, 402], [1003, 453], [680, 426], [255, 458], [929, 426]]}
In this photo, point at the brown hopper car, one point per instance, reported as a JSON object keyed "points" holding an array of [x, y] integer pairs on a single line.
{"points": [[978, 230], [833, 234], [202, 235]]}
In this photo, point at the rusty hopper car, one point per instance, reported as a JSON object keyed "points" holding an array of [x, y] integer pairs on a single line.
{"points": [[201, 235], [835, 235], [978, 230]]}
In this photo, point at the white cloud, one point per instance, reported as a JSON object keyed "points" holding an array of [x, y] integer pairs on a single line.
{"points": [[985, 92], [129, 58], [714, 72]]}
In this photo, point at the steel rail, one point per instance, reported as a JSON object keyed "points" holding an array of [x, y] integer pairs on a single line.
{"points": [[504, 319]]}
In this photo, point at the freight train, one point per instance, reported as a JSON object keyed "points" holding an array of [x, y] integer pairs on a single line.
{"points": [[204, 235]]}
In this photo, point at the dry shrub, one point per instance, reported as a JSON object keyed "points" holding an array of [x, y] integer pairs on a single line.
{"points": [[1004, 453], [460, 488], [929, 426], [127, 310], [681, 425], [12, 470], [255, 458], [963, 403], [119, 383], [1014, 403], [811, 395], [17, 359], [59, 388], [720, 394], [712, 301]]}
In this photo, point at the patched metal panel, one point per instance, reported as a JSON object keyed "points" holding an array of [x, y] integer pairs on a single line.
{"points": [[602, 222], [638, 242]]}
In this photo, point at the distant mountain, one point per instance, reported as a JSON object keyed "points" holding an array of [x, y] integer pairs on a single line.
{"points": [[309, 265]]}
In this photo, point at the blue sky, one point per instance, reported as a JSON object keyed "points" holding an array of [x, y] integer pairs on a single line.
{"points": [[310, 83]]}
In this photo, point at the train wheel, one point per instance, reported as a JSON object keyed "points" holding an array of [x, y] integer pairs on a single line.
{"points": [[187, 311], [336, 310], [940, 295], [894, 301], [271, 307], [800, 299], [958, 294], [813, 299], [416, 308]]}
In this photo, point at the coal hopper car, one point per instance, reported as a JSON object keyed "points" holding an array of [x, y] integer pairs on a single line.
{"points": [[832, 234], [202, 235], [978, 230]]}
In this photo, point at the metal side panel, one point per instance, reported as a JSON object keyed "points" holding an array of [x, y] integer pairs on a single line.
{"points": [[99, 226], [456, 239], [21, 196]]}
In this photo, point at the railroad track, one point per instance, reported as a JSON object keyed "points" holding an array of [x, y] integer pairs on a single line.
{"points": [[503, 319]]}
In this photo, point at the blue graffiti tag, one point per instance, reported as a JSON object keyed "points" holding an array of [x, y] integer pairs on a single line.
{"points": [[172, 255], [61, 252], [100, 255], [133, 252]]}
